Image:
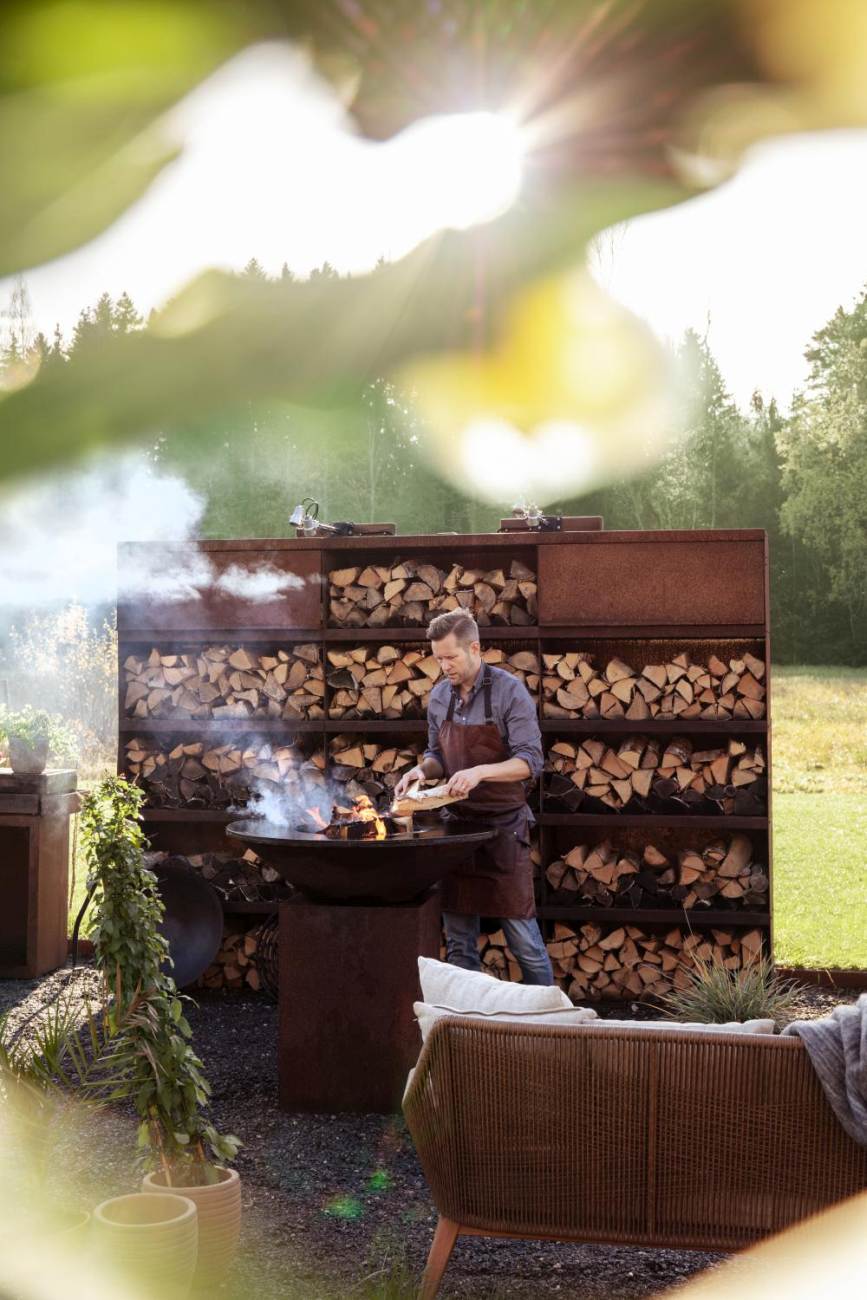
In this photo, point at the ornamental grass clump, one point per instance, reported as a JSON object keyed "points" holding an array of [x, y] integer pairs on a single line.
{"points": [[148, 1057], [716, 996]]}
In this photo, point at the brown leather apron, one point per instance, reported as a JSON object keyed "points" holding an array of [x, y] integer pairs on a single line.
{"points": [[498, 880]]}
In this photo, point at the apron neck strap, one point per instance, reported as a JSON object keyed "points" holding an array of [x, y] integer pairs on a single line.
{"points": [[487, 688]]}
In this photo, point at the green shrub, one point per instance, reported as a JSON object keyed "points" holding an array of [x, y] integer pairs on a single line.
{"points": [[149, 1058]]}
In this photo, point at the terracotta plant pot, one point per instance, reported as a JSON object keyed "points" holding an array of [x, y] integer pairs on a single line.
{"points": [[219, 1207], [29, 759], [152, 1239]]}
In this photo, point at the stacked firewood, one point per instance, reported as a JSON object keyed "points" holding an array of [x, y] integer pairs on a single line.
{"points": [[364, 767], [593, 962], [244, 879], [380, 681], [222, 682], [523, 664], [573, 687], [234, 966], [722, 873], [643, 773], [497, 958], [390, 682], [197, 775], [412, 593]]}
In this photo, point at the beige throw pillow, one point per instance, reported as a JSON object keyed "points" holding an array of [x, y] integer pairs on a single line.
{"points": [[427, 1015]]}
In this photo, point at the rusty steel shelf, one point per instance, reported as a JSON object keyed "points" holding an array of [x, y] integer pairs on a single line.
{"points": [[392, 634], [649, 820], [595, 587], [656, 726], [211, 726], [716, 917]]}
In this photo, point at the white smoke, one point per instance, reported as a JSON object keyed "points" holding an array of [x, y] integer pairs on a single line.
{"points": [[290, 807], [164, 574], [59, 535], [261, 583]]}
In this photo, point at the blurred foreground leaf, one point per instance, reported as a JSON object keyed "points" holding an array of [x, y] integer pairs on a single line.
{"points": [[81, 88], [227, 338]]}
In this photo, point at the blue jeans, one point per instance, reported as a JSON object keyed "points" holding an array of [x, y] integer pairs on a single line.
{"points": [[523, 937]]}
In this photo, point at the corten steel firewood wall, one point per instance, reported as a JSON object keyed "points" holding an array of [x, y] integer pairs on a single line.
{"points": [[640, 596]]}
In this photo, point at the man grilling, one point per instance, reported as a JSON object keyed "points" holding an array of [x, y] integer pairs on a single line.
{"points": [[483, 736]]}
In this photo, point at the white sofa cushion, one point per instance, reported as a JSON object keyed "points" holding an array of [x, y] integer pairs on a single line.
{"points": [[427, 1015], [469, 990], [730, 1027]]}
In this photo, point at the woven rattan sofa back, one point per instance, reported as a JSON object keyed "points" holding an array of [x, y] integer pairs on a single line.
{"points": [[670, 1137]]}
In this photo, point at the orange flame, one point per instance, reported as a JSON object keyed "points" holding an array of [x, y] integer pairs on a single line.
{"points": [[366, 812], [316, 816]]}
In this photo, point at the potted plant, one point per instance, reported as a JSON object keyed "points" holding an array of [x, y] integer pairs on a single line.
{"points": [[32, 735], [152, 1061]]}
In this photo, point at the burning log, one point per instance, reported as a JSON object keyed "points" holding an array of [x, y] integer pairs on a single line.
{"points": [[723, 874], [593, 962], [364, 767], [196, 775], [573, 687], [222, 682], [411, 593], [645, 774], [387, 682]]}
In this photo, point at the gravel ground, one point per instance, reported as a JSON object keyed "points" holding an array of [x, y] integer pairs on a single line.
{"points": [[336, 1206]]}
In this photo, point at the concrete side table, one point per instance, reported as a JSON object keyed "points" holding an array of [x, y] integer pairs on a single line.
{"points": [[34, 870]]}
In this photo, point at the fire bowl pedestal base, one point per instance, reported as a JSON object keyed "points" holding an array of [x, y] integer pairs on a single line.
{"points": [[348, 979]]}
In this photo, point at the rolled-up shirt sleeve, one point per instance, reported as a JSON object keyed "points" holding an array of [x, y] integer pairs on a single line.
{"points": [[522, 728]]}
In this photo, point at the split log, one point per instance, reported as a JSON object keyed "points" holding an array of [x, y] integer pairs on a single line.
{"points": [[411, 593], [573, 687], [220, 681], [646, 774], [723, 874]]}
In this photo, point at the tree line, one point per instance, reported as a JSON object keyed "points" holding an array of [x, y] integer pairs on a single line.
{"points": [[802, 475]]}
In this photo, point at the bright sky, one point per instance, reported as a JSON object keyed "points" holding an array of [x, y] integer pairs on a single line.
{"points": [[271, 170]]}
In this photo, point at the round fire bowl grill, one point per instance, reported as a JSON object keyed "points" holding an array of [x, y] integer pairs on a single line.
{"points": [[394, 870]]}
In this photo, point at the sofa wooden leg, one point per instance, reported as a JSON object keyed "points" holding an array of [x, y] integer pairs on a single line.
{"points": [[440, 1252]]}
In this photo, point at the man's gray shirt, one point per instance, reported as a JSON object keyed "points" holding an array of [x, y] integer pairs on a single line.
{"points": [[513, 709]]}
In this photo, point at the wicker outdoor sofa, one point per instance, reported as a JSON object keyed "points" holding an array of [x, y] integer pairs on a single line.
{"points": [[678, 1139]]}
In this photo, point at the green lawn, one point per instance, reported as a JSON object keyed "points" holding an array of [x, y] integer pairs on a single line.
{"points": [[820, 817]]}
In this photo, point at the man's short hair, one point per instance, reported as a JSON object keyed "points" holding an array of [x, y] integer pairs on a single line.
{"points": [[464, 626]]}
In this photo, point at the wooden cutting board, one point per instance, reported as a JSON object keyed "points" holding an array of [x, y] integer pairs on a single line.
{"points": [[417, 800]]}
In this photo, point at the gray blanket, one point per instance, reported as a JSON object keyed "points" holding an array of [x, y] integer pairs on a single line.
{"points": [[837, 1045]]}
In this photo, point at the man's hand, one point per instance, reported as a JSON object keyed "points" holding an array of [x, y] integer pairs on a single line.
{"points": [[414, 775], [465, 781]]}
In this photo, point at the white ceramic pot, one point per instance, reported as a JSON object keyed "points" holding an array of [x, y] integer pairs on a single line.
{"points": [[151, 1239], [26, 758]]}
